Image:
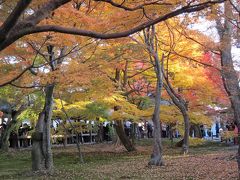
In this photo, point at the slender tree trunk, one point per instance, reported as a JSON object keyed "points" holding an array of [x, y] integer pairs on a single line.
{"points": [[133, 132], [65, 139], [100, 133], [152, 47], [181, 104], [186, 132], [79, 147], [74, 131], [122, 136], [41, 151], [156, 156], [171, 134]]}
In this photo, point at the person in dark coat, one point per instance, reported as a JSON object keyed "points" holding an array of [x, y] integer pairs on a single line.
{"points": [[149, 130]]}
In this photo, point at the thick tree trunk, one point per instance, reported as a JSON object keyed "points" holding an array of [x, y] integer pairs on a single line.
{"points": [[229, 74], [37, 149], [122, 136], [47, 128], [156, 156], [41, 151]]}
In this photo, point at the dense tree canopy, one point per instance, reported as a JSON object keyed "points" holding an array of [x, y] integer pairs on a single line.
{"points": [[116, 61]]}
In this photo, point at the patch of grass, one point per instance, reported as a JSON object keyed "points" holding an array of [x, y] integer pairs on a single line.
{"points": [[165, 141], [14, 163]]}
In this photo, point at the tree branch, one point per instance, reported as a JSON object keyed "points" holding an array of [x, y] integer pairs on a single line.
{"points": [[121, 6], [53, 28], [75, 31], [235, 6], [13, 18], [16, 77], [43, 12]]}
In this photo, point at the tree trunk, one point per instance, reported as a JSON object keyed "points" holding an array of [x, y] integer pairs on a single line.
{"points": [[156, 156], [65, 136], [197, 130], [133, 132], [182, 106], [41, 151], [37, 149], [122, 136], [171, 133], [100, 133], [229, 74], [179, 143], [47, 128], [152, 46], [4, 144], [186, 132], [6, 134]]}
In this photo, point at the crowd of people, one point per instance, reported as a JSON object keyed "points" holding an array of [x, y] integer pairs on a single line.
{"points": [[146, 129], [18, 137], [105, 132]]}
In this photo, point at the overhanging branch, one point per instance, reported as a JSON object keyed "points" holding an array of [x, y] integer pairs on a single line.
{"points": [[75, 31], [13, 18]]}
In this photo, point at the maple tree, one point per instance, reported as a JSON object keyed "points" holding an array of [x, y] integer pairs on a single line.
{"points": [[181, 61], [229, 74], [61, 65], [227, 30], [47, 77]]}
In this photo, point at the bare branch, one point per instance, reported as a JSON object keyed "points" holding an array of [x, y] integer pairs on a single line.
{"points": [[235, 6], [26, 87], [196, 61], [158, 2], [140, 72], [74, 130], [16, 77]]}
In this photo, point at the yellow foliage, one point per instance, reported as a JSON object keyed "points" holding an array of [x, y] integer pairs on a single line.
{"points": [[196, 141], [228, 135], [73, 110], [127, 110], [200, 118]]}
